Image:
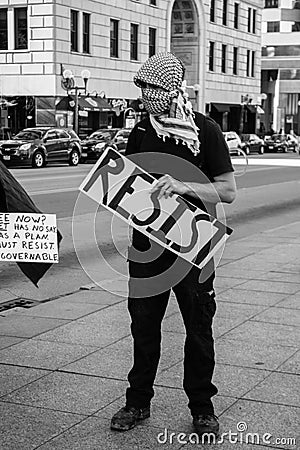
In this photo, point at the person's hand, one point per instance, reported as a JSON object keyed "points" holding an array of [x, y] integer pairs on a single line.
{"points": [[168, 186]]}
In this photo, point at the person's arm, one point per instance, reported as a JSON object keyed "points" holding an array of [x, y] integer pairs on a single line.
{"points": [[223, 188]]}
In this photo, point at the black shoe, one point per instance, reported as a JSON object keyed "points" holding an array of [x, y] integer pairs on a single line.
{"points": [[206, 423], [127, 417]]}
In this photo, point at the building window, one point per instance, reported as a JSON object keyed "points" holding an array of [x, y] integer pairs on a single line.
{"points": [[224, 17], [235, 61], [183, 18], [224, 51], [86, 33], [249, 20], [273, 27], [3, 29], [152, 41], [74, 31], [114, 38], [21, 35], [153, 2], [236, 15], [212, 10], [134, 41], [253, 21], [271, 3], [253, 64], [211, 61], [296, 27], [248, 64]]}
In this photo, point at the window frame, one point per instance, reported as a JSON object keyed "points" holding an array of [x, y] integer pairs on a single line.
{"points": [[134, 41], [74, 30], [211, 56], [253, 64], [236, 16], [225, 13], [272, 26], [17, 28], [224, 59], [86, 34], [253, 21], [4, 33], [114, 40], [235, 60], [248, 63], [212, 11], [152, 45]]}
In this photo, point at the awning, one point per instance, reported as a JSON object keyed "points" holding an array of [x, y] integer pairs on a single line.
{"points": [[85, 103], [255, 109], [224, 107]]}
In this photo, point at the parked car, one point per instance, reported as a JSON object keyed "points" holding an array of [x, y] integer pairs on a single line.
{"points": [[251, 143], [40, 145], [233, 141], [280, 143], [94, 145], [293, 141]]}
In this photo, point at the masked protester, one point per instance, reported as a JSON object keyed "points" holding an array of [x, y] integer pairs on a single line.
{"points": [[173, 129]]}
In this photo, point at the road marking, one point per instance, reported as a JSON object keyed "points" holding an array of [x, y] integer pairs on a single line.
{"points": [[53, 191], [268, 162]]}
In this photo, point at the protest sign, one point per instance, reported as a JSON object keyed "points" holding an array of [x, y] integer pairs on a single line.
{"points": [[28, 237], [122, 187]]}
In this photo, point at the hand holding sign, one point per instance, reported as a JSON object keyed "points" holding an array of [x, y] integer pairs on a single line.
{"points": [[135, 196]]}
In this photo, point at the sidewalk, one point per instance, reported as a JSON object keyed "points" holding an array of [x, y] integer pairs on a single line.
{"points": [[64, 362]]}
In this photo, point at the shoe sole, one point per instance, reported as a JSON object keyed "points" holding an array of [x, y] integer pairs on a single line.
{"points": [[118, 427]]}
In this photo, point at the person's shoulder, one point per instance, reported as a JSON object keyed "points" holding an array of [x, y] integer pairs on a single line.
{"points": [[142, 125]]}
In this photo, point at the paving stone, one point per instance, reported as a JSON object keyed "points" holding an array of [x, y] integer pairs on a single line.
{"points": [[230, 380], [68, 392], [27, 326], [13, 377], [169, 409], [292, 365], [268, 334], [271, 286], [94, 434], [283, 276], [7, 341], [6, 295], [24, 427], [61, 309], [248, 274], [277, 388], [92, 296], [278, 420], [238, 295], [116, 360], [98, 329], [43, 354], [253, 354], [223, 283], [284, 316], [292, 301]]}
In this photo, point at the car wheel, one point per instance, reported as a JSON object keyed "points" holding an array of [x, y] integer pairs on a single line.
{"points": [[38, 159], [261, 150], [74, 158]]}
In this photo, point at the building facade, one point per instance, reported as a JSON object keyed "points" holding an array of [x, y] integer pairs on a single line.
{"points": [[45, 43], [281, 64]]}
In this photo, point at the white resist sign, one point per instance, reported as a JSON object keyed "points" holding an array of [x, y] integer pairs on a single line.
{"points": [[26, 237], [124, 188]]}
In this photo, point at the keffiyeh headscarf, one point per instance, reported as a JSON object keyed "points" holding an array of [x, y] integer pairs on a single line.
{"points": [[164, 97]]}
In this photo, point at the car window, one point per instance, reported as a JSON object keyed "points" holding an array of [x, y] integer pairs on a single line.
{"points": [[62, 134], [28, 135], [101, 135], [51, 135]]}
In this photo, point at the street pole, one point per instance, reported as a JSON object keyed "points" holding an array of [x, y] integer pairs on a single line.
{"points": [[76, 111]]}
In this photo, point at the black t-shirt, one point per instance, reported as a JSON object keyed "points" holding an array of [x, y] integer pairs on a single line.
{"points": [[159, 157], [177, 159]]}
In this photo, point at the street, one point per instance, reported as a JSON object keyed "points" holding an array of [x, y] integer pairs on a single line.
{"points": [[268, 197]]}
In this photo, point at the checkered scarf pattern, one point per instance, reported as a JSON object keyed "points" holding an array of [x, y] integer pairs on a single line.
{"points": [[164, 97]]}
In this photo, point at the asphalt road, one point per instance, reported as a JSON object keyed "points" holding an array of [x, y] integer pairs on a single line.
{"points": [[269, 195]]}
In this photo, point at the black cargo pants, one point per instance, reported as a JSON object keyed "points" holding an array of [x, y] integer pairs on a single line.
{"points": [[197, 305]]}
